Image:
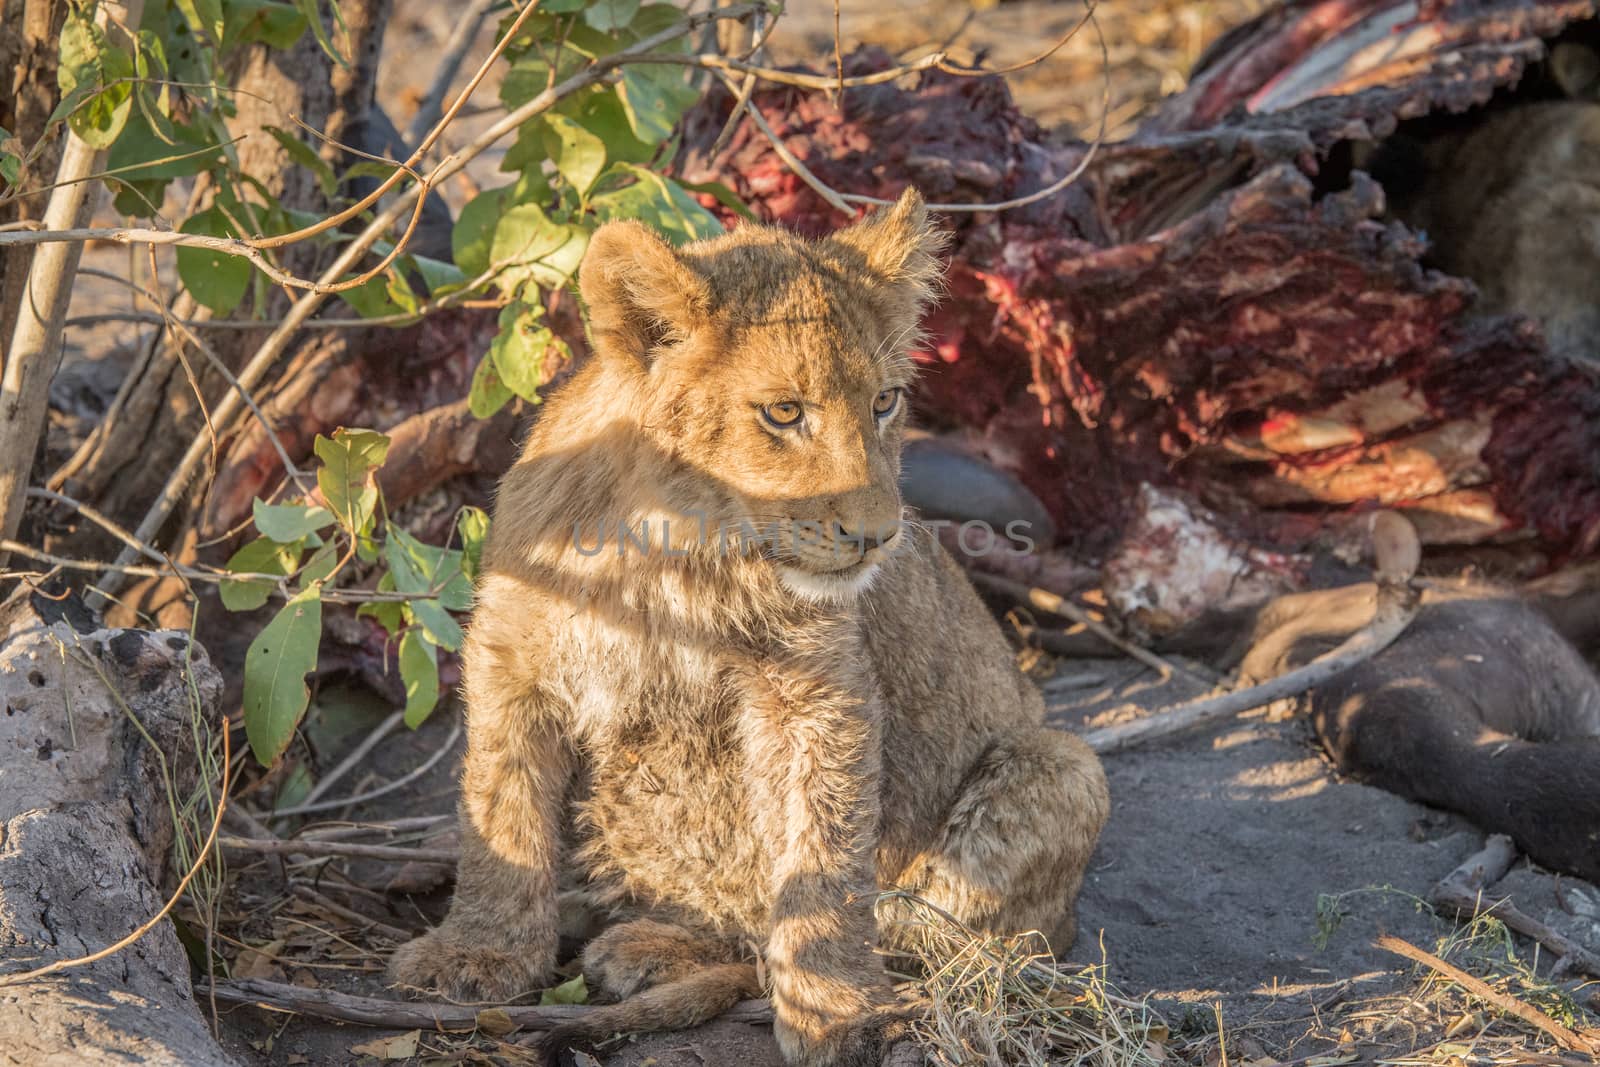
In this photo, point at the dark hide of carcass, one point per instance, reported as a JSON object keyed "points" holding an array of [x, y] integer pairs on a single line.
{"points": [[1218, 306]]}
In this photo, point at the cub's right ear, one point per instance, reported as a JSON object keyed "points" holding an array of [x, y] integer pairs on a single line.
{"points": [[639, 292]]}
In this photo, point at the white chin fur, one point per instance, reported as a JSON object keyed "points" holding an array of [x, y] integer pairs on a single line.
{"points": [[827, 588]]}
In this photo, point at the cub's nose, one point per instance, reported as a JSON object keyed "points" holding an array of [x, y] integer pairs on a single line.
{"points": [[869, 535]]}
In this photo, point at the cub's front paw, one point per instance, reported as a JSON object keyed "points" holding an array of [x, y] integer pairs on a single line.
{"points": [[444, 962]]}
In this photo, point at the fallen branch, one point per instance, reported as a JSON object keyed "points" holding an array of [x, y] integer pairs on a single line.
{"points": [[1397, 606], [352, 849], [1566, 1038], [1461, 892], [415, 1015]]}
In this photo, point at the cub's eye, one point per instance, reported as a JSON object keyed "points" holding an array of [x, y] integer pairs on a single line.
{"points": [[783, 415], [884, 403]]}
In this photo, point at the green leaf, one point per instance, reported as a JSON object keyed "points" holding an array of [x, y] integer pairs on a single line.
{"points": [[323, 562], [308, 11], [294, 788], [529, 74], [608, 15], [653, 104], [274, 24], [547, 252], [427, 569], [307, 157], [518, 350], [389, 613], [275, 669], [473, 527], [371, 299], [10, 161], [345, 477], [579, 155], [97, 76], [660, 202], [473, 234], [216, 279], [81, 52], [141, 153], [289, 522], [599, 110], [203, 17], [261, 556], [437, 275], [441, 627], [573, 991], [421, 569], [419, 672], [488, 393], [102, 117], [399, 291]]}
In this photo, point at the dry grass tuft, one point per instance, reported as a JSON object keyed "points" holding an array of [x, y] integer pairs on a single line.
{"points": [[1005, 1002]]}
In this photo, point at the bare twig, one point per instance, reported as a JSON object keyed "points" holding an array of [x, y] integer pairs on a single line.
{"points": [[822, 189], [377, 926], [383, 790], [1529, 1014], [211, 575], [154, 920], [413, 1015], [353, 760], [1462, 892], [355, 850], [407, 824]]}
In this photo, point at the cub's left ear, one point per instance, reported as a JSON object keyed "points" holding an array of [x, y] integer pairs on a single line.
{"points": [[901, 249]]}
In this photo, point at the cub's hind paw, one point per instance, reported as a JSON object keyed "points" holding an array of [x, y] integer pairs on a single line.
{"points": [[630, 957], [438, 962]]}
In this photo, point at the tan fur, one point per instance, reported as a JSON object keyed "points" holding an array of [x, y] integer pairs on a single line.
{"points": [[686, 740], [1514, 204]]}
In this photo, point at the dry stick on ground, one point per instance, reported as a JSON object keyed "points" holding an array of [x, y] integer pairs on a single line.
{"points": [[382, 790], [414, 1015], [367, 922], [405, 825], [1529, 1014], [1397, 606], [1461, 891], [353, 760], [353, 849]]}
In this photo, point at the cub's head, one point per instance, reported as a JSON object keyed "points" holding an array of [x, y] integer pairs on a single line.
{"points": [[772, 375]]}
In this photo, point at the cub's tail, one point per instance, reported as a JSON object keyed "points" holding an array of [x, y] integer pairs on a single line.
{"points": [[677, 1005]]}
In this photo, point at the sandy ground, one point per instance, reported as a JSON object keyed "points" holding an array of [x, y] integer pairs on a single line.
{"points": [[1203, 895]]}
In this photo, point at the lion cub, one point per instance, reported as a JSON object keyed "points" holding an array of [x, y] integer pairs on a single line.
{"points": [[716, 688]]}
